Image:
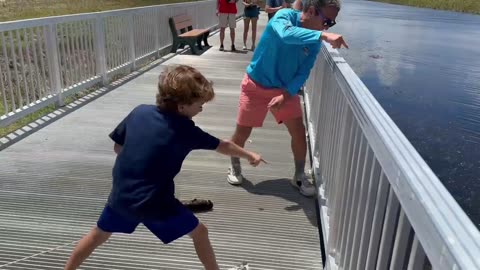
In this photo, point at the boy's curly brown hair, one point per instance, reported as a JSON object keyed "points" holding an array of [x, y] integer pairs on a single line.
{"points": [[182, 85]]}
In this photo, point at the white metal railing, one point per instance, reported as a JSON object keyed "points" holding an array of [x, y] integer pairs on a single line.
{"points": [[44, 60], [381, 205]]}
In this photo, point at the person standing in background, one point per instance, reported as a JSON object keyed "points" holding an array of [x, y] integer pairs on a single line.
{"points": [[272, 6], [227, 16], [251, 13]]}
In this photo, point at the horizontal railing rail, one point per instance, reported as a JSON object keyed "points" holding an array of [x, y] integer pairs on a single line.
{"points": [[44, 60]]}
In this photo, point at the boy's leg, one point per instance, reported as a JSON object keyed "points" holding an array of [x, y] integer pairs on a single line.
{"points": [[86, 246], [108, 223], [203, 247], [182, 223]]}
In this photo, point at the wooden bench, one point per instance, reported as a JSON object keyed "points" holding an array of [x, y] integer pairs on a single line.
{"points": [[184, 34]]}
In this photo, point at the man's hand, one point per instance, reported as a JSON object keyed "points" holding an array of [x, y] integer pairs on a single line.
{"points": [[335, 40], [255, 159], [276, 103]]}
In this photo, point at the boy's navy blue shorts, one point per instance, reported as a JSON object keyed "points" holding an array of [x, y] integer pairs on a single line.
{"points": [[167, 230]]}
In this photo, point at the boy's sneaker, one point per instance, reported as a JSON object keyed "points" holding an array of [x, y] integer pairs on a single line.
{"points": [[221, 48], [242, 266], [234, 178], [304, 186], [233, 48], [244, 47]]}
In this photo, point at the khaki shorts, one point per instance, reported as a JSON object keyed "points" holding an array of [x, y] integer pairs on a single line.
{"points": [[227, 20]]}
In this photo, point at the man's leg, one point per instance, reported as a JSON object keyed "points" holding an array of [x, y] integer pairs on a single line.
{"points": [[296, 128], [240, 136], [86, 246], [291, 114], [299, 143], [252, 111]]}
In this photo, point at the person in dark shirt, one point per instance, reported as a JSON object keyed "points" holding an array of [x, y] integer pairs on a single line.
{"points": [[151, 144]]}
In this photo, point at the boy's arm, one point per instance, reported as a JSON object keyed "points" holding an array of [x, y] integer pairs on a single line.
{"points": [[205, 141], [231, 149], [117, 148], [118, 135]]}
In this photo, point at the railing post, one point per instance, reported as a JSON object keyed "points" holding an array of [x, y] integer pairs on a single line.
{"points": [[101, 57], [157, 33], [53, 63], [131, 36]]}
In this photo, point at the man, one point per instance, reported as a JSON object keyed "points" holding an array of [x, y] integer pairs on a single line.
{"points": [[272, 81], [227, 16]]}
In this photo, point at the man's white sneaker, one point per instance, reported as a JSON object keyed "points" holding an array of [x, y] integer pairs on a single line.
{"points": [[234, 179], [304, 186]]}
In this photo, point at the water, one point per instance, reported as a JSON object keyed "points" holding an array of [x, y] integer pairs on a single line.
{"points": [[423, 66]]}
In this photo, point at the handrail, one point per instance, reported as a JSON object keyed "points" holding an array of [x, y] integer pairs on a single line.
{"points": [[374, 187], [44, 60]]}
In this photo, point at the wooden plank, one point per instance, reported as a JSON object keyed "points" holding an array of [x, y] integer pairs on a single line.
{"points": [[183, 25], [181, 18], [194, 33]]}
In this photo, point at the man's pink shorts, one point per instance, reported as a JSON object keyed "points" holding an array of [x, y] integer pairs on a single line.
{"points": [[253, 105]]}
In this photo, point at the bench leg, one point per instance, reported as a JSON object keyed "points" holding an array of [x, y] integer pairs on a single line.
{"points": [[199, 43], [175, 46], [193, 47], [205, 37]]}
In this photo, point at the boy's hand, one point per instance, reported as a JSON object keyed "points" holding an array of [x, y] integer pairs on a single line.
{"points": [[255, 159], [335, 40]]}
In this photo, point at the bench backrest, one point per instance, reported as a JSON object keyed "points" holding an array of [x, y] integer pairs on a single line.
{"points": [[181, 23]]}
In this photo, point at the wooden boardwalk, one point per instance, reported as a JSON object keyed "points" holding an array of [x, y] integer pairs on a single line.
{"points": [[54, 183]]}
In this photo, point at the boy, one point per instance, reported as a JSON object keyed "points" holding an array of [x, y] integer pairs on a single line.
{"points": [[151, 144]]}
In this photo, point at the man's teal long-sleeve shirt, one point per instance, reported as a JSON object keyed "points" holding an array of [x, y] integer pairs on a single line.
{"points": [[285, 54]]}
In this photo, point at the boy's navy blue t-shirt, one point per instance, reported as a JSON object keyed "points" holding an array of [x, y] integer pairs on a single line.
{"points": [[155, 144]]}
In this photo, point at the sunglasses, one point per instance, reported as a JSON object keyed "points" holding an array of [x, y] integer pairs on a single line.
{"points": [[326, 21], [329, 23]]}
